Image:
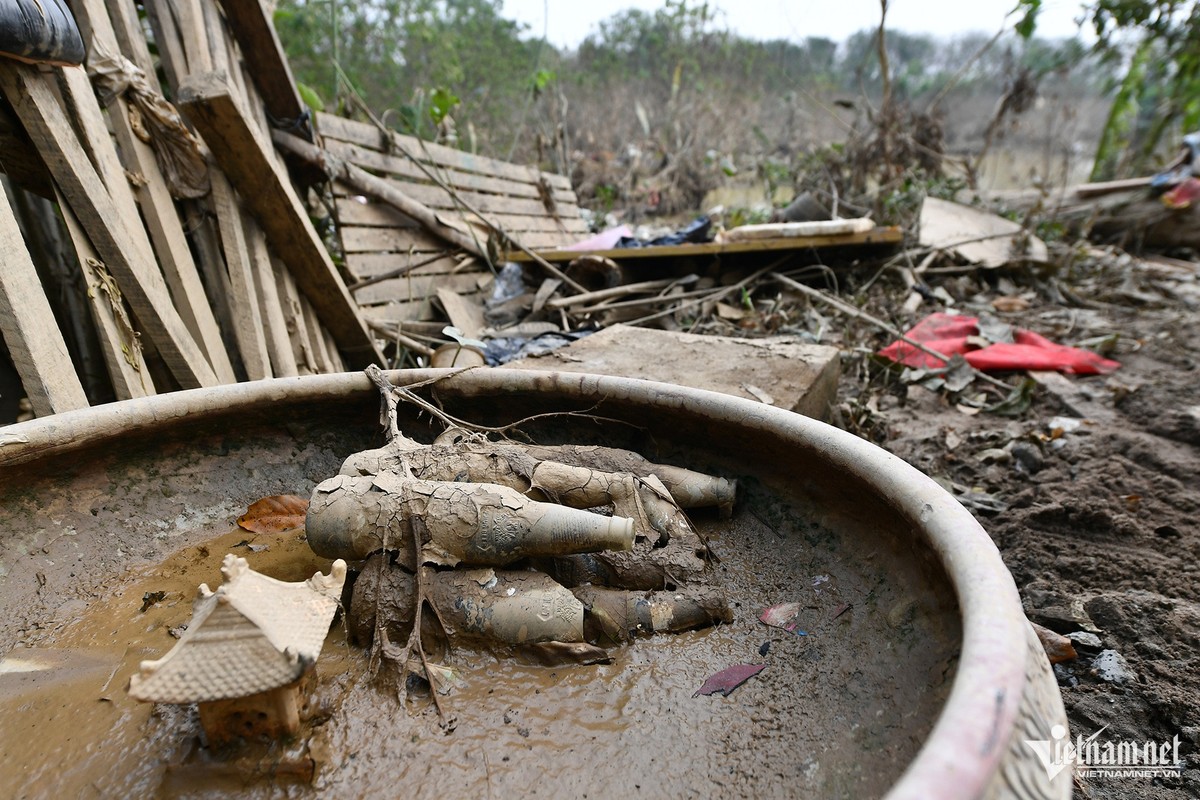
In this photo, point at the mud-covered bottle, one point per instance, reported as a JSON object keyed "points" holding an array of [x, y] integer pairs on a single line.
{"points": [[469, 523]]}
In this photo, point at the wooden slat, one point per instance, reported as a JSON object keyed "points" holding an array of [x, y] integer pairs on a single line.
{"points": [[283, 360], [416, 311], [265, 60], [167, 39], [247, 316], [416, 288], [879, 236], [464, 313], [401, 167], [436, 198], [131, 38], [316, 342], [359, 133], [27, 323], [158, 208], [118, 341], [246, 159], [366, 265], [293, 314], [397, 240], [355, 212], [140, 281]]}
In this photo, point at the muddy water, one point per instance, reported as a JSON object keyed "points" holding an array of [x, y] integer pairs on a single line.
{"points": [[837, 712]]}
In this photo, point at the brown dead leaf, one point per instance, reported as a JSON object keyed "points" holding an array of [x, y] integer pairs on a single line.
{"points": [[281, 512]]}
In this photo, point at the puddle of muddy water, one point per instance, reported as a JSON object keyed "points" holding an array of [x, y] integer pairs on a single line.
{"points": [[837, 712]]}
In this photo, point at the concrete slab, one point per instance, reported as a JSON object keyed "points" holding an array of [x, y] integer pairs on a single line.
{"points": [[782, 371]]}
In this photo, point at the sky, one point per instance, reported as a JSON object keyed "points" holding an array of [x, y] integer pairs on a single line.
{"points": [[568, 22]]}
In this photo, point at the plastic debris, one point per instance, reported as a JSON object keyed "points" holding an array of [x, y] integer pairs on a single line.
{"points": [[951, 334], [783, 616]]}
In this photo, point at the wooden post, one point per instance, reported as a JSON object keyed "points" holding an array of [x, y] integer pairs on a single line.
{"points": [[27, 323], [269, 196], [140, 280], [247, 318]]}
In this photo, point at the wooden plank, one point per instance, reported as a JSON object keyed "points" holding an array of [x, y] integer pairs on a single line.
{"points": [[405, 168], [140, 280], [193, 36], [167, 40], [247, 160], [316, 342], [880, 236], [27, 323], [131, 38], [119, 343], [355, 212], [247, 317], [366, 135], [464, 313], [416, 288], [395, 240], [436, 198], [367, 265], [289, 296], [283, 360], [415, 311], [335, 358], [158, 208], [266, 61]]}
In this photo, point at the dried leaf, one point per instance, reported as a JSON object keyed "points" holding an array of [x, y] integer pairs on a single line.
{"points": [[282, 512], [729, 679], [1010, 303]]}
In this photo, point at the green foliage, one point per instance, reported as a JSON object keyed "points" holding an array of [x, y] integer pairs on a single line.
{"points": [[1158, 44], [310, 97], [441, 103]]}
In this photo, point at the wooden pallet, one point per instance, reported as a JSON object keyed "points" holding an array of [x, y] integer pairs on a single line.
{"points": [[537, 209]]}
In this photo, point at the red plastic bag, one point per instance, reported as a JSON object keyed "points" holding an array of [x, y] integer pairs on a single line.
{"points": [[950, 334]]}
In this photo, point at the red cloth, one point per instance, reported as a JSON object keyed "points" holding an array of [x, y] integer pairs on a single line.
{"points": [[949, 334]]}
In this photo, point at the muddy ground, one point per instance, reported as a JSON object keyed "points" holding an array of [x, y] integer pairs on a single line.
{"points": [[1098, 523]]}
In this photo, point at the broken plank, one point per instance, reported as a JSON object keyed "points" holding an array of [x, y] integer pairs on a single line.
{"points": [[247, 316], [139, 279], [27, 323], [405, 168], [366, 135], [463, 313], [119, 344], [266, 61], [267, 191], [279, 347]]}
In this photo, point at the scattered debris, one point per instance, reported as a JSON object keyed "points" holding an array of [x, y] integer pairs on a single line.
{"points": [[978, 237], [1111, 667], [1058, 647], [783, 616]]}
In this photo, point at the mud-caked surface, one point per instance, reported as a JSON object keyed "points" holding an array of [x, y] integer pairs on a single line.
{"points": [[1094, 514], [842, 706]]}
